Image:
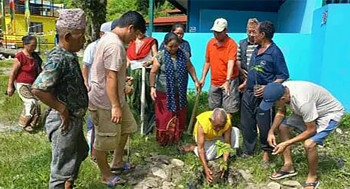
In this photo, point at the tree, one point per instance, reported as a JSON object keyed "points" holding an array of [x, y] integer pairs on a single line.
{"points": [[98, 10], [96, 15], [115, 8]]}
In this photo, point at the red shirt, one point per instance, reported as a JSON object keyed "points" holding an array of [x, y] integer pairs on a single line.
{"points": [[28, 71], [218, 57]]}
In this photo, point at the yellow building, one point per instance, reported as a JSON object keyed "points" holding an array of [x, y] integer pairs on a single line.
{"points": [[41, 24]]}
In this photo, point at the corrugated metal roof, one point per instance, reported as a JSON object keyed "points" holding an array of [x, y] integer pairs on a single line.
{"points": [[170, 20]]}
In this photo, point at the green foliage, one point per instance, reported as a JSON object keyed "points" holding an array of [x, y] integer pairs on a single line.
{"points": [[67, 3], [10, 106], [6, 63], [345, 122], [221, 149], [115, 8], [202, 106], [258, 68]]}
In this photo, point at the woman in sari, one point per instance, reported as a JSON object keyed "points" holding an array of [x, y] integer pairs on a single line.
{"points": [[140, 54], [169, 92], [179, 30], [26, 67]]}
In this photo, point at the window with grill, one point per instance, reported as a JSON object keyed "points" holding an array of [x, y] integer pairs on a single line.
{"points": [[36, 27]]}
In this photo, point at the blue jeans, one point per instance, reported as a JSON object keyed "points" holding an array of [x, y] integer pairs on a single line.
{"points": [[69, 149], [90, 133]]}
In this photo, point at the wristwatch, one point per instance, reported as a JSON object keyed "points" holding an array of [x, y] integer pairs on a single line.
{"points": [[228, 80]]}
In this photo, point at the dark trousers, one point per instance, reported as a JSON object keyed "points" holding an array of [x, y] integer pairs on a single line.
{"points": [[251, 115]]}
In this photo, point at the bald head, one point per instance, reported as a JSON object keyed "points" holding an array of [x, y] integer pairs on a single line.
{"points": [[219, 117]]}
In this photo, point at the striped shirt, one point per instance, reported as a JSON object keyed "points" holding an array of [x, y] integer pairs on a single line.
{"points": [[250, 50]]}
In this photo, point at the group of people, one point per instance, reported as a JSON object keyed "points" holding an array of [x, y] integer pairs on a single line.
{"points": [[249, 78]]}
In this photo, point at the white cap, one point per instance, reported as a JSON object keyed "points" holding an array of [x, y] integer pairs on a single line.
{"points": [[219, 25], [106, 27]]}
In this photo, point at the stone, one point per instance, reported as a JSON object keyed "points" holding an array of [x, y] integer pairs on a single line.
{"points": [[148, 160], [339, 131], [151, 182], [156, 171], [291, 183], [168, 185], [161, 158], [153, 154], [250, 186], [233, 177], [132, 181], [177, 162], [273, 185], [176, 175], [245, 174]]}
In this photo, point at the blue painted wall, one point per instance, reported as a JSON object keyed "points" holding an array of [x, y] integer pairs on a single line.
{"points": [[202, 14], [289, 44], [296, 16], [237, 20], [334, 70], [322, 56]]}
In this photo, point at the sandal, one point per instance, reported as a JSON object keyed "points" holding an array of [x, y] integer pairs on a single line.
{"points": [[125, 167], [29, 128], [283, 174], [313, 184], [113, 181]]}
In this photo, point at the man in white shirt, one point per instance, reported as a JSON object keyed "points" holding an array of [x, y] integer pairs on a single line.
{"points": [[88, 59], [315, 114]]}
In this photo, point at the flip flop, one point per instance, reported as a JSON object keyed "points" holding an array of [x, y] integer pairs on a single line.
{"points": [[283, 174], [125, 167], [113, 181], [28, 128], [313, 184]]}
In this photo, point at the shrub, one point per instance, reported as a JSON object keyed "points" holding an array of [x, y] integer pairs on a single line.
{"points": [[202, 106], [345, 121]]}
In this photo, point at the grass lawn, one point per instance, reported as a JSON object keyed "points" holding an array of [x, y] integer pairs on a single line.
{"points": [[25, 158]]}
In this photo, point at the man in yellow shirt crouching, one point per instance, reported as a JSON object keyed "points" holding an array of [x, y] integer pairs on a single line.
{"points": [[210, 127]]}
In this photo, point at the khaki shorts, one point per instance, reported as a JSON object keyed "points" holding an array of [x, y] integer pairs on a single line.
{"points": [[218, 98], [107, 133]]}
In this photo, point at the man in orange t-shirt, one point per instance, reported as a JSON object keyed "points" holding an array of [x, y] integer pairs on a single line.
{"points": [[220, 57]]}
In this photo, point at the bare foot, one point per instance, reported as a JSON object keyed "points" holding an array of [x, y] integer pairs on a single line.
{"points": [[265, 156], [187, 148]]}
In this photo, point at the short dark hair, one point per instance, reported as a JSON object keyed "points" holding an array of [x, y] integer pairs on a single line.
{"points": [[114, 24], [131, 18], [177, 25], [268, 28], [169, 37], [26, 39]]}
